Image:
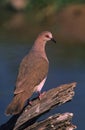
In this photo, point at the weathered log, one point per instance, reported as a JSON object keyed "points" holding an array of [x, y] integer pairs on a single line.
{"points": [[30, 114], [53, 97], [55, 122]]}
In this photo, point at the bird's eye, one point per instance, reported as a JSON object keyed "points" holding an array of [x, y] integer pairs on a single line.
{"points": [[47, 36]]}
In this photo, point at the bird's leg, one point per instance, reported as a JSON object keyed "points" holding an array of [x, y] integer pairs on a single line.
{"points": [[41, 94], [30, 103]]}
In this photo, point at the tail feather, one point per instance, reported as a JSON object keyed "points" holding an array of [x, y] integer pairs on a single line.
{"points": [[17, 104]]}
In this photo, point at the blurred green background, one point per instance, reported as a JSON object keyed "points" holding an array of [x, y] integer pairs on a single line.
{"points": [[64, 17], [20, 23]]}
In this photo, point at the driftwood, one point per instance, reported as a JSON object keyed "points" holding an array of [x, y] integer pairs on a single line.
{"points": [[56, 122], [54, 97]]}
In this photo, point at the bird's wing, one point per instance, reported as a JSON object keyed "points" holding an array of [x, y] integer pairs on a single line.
{"points": [[33, 69]]}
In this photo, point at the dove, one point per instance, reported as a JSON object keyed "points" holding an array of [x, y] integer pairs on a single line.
{"points": [[32, 73]]}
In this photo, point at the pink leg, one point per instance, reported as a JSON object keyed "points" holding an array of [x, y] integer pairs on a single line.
{"points": [[30, 103], [41, 94]]}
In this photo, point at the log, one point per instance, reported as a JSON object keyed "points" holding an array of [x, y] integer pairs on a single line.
{"points": [[53, 97], [55, 122]]}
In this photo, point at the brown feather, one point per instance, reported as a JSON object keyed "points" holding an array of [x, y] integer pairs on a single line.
{"points": [[17, 104], [31, 73]]}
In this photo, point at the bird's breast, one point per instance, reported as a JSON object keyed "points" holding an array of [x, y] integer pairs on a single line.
{"points": [[39, 87]]}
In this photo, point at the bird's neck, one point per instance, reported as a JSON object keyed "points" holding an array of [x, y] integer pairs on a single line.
{"points": [[39, 47]]}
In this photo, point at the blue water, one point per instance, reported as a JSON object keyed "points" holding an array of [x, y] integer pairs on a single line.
{"points": [[67, 65]]}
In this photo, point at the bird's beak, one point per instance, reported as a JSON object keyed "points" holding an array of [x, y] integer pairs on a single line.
{"points": [[52, 39]]}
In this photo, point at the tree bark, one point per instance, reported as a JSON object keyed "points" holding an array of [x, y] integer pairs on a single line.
{"points": [[54, 97], [55, 122]]}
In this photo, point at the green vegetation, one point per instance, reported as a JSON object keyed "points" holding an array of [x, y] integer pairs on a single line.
{"points": [[40, 4]]}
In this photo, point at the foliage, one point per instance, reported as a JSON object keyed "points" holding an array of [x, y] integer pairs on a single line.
{"points": [[59, 3], [40, 4]]}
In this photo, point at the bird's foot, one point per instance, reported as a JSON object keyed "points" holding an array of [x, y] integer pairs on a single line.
{"points": [[30, 103], [41, 95]]}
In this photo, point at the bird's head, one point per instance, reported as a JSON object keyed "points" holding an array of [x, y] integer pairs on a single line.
{"points": [[46, 36]]}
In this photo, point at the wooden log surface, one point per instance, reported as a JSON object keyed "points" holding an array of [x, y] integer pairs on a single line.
{"points": [[53, 97], [55, 122]]}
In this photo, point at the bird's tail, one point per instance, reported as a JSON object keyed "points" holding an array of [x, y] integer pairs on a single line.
{"points": [[17, 104]]}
